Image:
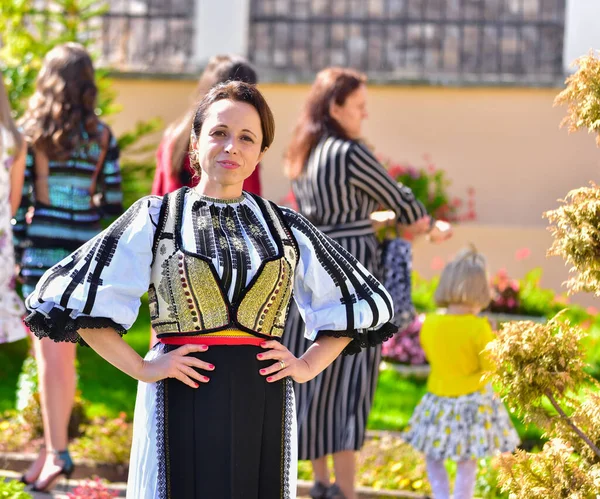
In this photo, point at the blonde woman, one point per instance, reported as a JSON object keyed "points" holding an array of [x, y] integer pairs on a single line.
{"points": [[12, 168], [460, 417]]}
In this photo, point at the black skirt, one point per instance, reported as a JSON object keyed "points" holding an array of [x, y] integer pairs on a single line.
{"points": [[233, 437]]}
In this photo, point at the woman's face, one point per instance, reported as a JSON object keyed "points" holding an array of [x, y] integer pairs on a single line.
{"points": [[352, 112], [229, 147]]}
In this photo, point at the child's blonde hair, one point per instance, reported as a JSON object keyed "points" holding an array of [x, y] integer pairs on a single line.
{"points": [[464, 281]]}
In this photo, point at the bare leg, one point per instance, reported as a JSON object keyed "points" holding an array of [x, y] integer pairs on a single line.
{"points": [[56, 374], [438, 478], [344, 465], [320, 470], [33, 471]]}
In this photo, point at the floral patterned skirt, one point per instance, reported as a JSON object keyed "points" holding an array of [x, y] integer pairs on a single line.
{"points": [[471, 426]]}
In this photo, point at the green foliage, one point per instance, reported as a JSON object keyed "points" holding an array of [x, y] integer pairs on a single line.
{"points": [[540, 366], [29, 32], [555, 472], [13, 490], [388, 463], [535, 361], [105, 440], [14, 432], [430, 186], [582, 95], [576, 230], [423, 292]]}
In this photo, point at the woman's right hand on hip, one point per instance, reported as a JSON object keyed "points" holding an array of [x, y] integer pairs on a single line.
{"points": [[177, 364]]}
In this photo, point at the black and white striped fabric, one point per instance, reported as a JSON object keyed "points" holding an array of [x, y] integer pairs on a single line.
{"points": [[342, 184]]}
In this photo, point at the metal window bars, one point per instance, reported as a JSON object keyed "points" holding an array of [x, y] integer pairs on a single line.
{"points": [[148, 36], [440, 41]]}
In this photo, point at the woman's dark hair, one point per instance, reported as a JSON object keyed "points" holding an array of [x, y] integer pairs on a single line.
{"points": [[239, 92], [62, 109], [332, 85], [220, 69]]}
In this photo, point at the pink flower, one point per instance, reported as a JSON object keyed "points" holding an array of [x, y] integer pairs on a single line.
{"points": [[522, 254], [561, 299], [437, 263], [396, 170], [592, 310]]}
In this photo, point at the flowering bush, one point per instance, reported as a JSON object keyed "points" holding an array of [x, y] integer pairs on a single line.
{"points": [[582, 96], [527, 297], [92, 489], [404, 347], [430, 186], [105, 441], [509, 296]]}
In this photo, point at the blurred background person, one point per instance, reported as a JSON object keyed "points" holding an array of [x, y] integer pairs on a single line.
{"points": [[73, 180], [337, 184], [173, 169], [12, 170]]}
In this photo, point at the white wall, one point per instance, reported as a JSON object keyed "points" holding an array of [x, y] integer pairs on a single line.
{"points": [[221, 27], [582, 29]]}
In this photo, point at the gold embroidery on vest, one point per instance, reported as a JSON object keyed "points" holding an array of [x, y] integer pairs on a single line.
{"points": [[212, 309], [260, 310]]}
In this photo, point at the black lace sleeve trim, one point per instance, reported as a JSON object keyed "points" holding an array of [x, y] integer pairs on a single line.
{"points": [[58, 326], [363, 339]]}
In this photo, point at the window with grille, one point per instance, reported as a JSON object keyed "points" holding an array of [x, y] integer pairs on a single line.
{"points": [[147, 35], [436, 40]]}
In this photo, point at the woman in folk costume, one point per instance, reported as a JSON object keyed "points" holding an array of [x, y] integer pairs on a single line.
{"points": [[215, 415]]}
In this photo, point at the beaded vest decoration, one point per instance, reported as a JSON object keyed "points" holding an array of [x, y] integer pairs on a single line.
{"points": [[186, 294]]}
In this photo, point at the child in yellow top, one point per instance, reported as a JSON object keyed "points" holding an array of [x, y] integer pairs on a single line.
{"points": [[460, 417]]}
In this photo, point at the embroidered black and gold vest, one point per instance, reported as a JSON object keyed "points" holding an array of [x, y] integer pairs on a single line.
{"points": [[186, 294]]}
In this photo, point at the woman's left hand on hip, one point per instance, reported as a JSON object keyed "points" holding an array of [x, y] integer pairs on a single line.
{"points": [[286, 364]]}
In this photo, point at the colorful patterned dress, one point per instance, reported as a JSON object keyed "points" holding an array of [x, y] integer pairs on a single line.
{"points": [[11, 306], [58, 212], [217, 272]]}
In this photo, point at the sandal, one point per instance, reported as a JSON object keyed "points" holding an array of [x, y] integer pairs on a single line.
{"points": [[67, 469], [318, 491], [41, 453], [334, 492]]}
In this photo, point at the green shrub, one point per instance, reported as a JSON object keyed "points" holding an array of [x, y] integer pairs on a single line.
{"points": [[105, 441], [13, 490]]}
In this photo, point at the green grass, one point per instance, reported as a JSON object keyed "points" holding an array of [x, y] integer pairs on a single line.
{"points": [[397, 396], [107, 390], [395, 399], [11, 359]]}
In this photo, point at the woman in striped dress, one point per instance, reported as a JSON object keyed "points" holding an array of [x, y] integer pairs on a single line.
{"points": [[72, 181], [338, 183]]}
